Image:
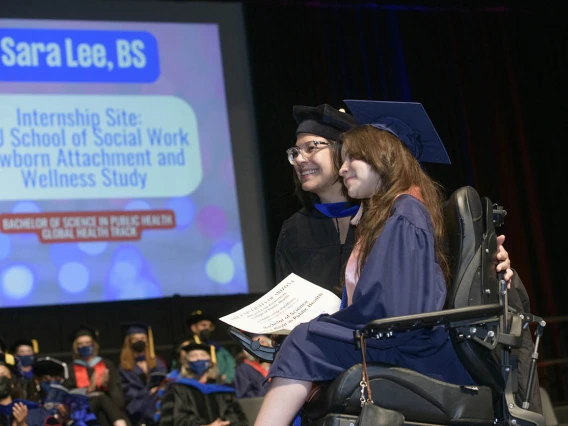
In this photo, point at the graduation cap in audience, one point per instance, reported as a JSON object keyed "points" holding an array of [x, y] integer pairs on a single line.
{"points": [[3, 345], [199, 315], [47, 366], [181, 341], [135, 327], [84, 330], [322, 120], [408, 121], [32, 343], [192, 346]]}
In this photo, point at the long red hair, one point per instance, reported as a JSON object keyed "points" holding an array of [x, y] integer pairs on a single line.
{"points": [[127, 359], [399, 173]]}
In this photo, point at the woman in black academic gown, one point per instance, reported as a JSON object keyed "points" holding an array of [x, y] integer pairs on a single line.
{"points": [[98, 376], [316, 241], [195, 399]]}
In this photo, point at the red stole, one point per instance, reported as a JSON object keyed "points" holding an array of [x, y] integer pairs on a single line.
{"points": [[82, 379], [256, 365]]}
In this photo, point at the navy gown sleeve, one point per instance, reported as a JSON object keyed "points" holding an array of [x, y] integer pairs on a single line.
{"points": [[249, 383], [401, 275], [139, 403]]}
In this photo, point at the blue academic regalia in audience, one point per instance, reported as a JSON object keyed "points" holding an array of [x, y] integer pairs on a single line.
{"points": [[139, 403], [188, 402], [249, 379], [400, 277], [36, 413]]}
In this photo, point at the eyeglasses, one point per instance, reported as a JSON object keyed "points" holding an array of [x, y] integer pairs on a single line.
{"points": [[307, 150]]}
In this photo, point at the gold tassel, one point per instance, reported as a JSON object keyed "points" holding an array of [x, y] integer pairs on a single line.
{"points": [[212, 351], [9, 359], [151, 343], [35, 346]]}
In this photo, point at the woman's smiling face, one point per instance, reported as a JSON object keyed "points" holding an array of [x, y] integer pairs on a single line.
{"points": [[361, 180]]}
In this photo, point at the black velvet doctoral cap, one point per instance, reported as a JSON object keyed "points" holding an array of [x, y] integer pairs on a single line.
{"points": [[32, 343], [84, 330], [322, 120], [48, 366]]}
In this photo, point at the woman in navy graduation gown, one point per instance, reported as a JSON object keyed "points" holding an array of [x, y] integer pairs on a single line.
{"points": [[141, 373], [397, 268], [316, 241]]}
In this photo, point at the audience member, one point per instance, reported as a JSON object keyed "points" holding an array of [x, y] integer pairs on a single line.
{"points": [[195, 399], [202, 325], [99, 377], [140, 372], [250, 373], [25, 350]]}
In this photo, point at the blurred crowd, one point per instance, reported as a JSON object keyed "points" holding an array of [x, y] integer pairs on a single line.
{"points": [[203, 384]]}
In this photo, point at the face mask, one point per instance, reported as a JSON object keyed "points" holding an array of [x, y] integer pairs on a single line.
{"points": [[204, 335], [27, 360], [199, 367], [138, 346], [5, 387], [86, 351]]}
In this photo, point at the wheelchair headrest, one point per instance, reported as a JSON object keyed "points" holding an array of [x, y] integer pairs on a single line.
{"points": [[464, 224]]}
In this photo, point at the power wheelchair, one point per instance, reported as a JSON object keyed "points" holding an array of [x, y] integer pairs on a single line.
{"points": [[485, 332]]}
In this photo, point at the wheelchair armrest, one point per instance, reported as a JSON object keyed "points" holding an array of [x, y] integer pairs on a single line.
{"points": [[253, 347], [449, 318]]}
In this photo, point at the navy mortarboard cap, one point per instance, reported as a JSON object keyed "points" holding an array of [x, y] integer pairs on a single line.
{"points": [[322, 120], [47, 366], [3, 345], [129, 328], [84, 330], [197, 316], [32, 343], [135, 327], [408, 121]]}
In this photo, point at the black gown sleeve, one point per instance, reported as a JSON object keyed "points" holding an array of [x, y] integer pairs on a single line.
{"points": [[233, 411], [180, 408], [114, 384], [285, 259]]}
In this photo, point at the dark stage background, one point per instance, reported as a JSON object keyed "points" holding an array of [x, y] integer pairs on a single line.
{"points": [[492, 78]]}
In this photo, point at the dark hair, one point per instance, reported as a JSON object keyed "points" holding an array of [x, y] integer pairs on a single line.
{"points": [[308, 199], [399, 171], [16, 387]]}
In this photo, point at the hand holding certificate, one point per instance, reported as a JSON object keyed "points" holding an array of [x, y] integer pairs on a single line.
{"points": [[292, 302]]}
